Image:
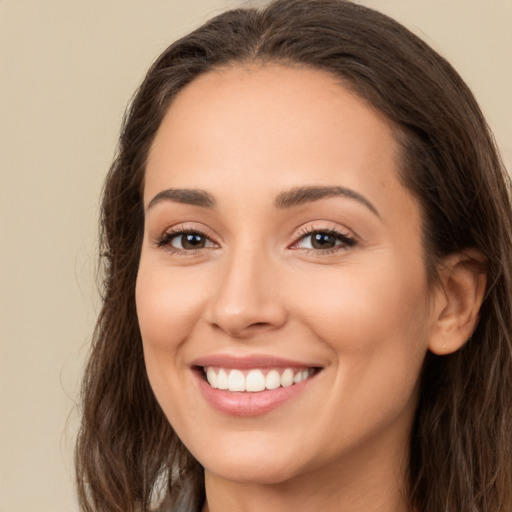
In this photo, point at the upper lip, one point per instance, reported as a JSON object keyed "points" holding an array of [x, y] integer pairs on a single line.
{"points": [[252, 361]]}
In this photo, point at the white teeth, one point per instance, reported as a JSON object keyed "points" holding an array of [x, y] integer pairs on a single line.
{"points": [[211, 377], [255, 380], [287, 378], [236, 381], [222, 379], [272, 380]]}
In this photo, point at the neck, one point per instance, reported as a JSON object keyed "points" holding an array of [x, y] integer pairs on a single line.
{"points": [[374, 483]]}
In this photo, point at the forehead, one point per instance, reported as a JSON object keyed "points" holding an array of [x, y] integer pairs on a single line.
{"points": [[270, 104], [275, 127]]}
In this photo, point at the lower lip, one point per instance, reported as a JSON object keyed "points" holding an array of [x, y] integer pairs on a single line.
{"points": [[247, 403]]}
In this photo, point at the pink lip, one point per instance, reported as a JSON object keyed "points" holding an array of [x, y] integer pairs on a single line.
{"points": [[247, 403]]}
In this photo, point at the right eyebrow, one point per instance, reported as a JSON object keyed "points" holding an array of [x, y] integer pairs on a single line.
{"points": [[190, 196]]}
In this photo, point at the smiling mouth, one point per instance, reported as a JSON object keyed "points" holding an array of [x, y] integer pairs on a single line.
{"points": [[255, 380]]}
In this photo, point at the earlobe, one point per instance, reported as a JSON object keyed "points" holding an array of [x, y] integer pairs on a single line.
{"points": [[459, 297]]}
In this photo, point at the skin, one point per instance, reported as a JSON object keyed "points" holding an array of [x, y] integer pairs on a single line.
{"points": [[363, 312]]}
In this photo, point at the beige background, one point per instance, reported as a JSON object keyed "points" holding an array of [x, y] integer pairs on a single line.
{"points": [[67, 69]]}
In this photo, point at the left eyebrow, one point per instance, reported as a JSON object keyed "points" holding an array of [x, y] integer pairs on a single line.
{"points": [[300, 195]]}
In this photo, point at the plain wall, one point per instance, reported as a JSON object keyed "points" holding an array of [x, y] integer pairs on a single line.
{"points": [[67, 70]]}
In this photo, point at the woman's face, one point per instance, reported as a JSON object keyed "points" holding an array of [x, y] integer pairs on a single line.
{"points": [[283, 258]]}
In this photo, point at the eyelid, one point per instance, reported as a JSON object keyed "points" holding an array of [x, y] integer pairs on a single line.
{"points": [[164, 238], [347, 237]]}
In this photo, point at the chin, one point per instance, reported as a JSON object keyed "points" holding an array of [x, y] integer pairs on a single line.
{"points": [[261, 473], [253, 465]]}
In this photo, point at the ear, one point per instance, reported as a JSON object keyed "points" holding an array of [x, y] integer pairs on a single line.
{"points": [[457, 301]]}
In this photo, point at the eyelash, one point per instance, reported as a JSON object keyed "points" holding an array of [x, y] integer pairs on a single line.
{"points": [[346, 240], [171, 234]]}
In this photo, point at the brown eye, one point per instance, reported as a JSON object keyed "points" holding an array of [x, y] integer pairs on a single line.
{"points": [[185, 241], [323, 241], [189, 241]]}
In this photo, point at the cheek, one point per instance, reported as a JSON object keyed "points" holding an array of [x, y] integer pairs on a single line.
{"points": [[375, 318], [376, 326], [168, 308], [168, 305], [365, 301]]}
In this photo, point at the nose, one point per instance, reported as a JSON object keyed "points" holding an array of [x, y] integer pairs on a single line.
{"points": [[247, 299]]}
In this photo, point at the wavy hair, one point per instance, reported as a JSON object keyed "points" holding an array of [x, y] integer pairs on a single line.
{"points": [[127, 454]]}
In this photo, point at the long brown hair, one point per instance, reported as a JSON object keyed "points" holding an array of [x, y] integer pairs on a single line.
{"points": [[461, 443]]}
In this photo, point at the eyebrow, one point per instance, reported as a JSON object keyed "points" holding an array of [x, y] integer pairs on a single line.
{"points": [[301, 195], [287, 199], [193, 197]]}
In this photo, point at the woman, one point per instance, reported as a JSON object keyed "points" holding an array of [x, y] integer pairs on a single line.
{"points": [[307, 245]]}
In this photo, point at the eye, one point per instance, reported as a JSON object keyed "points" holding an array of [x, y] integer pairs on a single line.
{"points": [[189, 241], [185, 240], [324, 240]]}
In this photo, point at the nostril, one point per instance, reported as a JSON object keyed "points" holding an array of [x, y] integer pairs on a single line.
{"points": [[242, 315], [259, 324]]}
